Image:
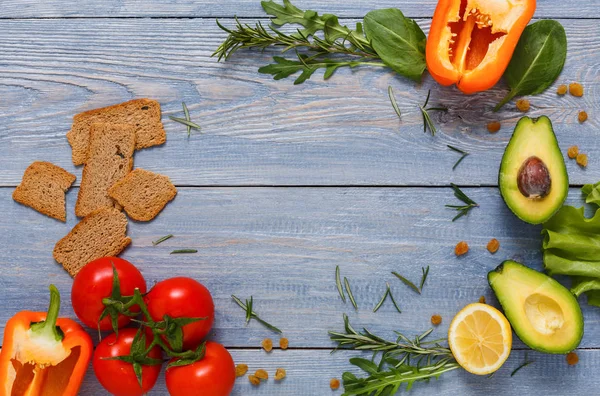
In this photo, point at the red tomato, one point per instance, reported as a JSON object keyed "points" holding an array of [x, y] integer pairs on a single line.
{"points": [[117, 376], [183, 297], [94, 282], [213, 375]]}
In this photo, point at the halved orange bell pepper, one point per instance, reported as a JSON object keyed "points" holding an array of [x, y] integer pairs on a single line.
{"points": [[43, 355], [471, 42]]}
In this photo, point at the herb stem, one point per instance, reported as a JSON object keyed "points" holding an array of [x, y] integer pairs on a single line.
{"points": [[462, 209], [349, 291], [162, 239], [406, 282], [250, 314], [184, 251]]}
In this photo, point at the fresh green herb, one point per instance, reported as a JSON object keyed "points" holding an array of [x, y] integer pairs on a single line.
{"points": [[187, 118], [464, 154], [338, 283], [424, 277], [427, 121], [429, 360], [591, 193], [393, 101], [185, 122], [524, 364], [349, 291], [388, 292], [407, 282], [250, 314], [400, 42], [537, 61], [161, 240], [394, 302], [181, 251], [462, 209]]}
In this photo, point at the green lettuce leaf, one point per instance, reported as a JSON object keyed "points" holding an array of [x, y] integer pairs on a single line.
{"points": [[592, 193]]}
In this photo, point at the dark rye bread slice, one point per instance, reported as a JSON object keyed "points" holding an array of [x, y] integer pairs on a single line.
{"points": [[101, 233], [143, 114], [43, 188], [110, 157], [143, 194]]}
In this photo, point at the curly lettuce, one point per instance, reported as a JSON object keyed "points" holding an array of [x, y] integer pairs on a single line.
{"points": [[592, 193]]}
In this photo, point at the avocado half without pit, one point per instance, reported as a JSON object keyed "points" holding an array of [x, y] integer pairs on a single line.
{"points": [[533, 177], [542, 312]]}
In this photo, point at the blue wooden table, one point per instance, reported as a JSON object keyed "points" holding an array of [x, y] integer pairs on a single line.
{"points": [[286, 182]]}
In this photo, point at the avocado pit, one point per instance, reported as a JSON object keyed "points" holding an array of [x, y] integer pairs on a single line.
{"points": [[533, 179]]}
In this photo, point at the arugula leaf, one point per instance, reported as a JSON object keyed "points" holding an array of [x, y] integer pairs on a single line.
{"points": [[537, 61], [283, 67], [592, 193], [398, 41]]}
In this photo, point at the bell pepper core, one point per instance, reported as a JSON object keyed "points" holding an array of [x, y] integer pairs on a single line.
{"points": [[43, 354], [471, 42]]}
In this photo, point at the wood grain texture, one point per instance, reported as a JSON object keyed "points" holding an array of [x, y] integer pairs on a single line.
{"points": [[256, 131], [281, 245], [246, 8]]}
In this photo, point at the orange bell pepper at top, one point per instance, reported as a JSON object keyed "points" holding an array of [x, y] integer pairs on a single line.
{"points": [[43, 355], [471, 42]]}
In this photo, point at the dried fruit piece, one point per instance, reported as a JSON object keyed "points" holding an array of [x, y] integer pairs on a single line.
{"points": [[241, 370], [267, 344], [254, 380], [572, 358], [280, 374], [523, 105], [436, 320], [482, 300], [461, 248], [261, 374], [582, 116], [572, 152], [493, 245], [582, 160], [284, 343], [576, 89], [493, 127], [334, 383], [561, 90]]}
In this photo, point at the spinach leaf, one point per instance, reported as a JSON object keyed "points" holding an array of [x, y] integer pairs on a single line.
{"points": [[537, 61], [398, 41]]}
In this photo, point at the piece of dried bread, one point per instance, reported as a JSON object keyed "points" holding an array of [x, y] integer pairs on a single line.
{"points": [[43, 188], [143, 114], [110, 157], [143, 194], [101, 233]]}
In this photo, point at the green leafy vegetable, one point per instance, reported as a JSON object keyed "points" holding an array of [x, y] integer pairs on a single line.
{"points": [[592, 193], [537, 61], [398, 41]]}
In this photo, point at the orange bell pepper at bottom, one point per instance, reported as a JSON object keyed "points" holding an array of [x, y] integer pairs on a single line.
{"points": [[43, 354], [471, 42]]}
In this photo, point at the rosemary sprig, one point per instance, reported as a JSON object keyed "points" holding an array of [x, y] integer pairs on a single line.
{"points": [[183, 251], [523, 365], [162, 239], [338, 283], [349, 291], [424, 277], [427, 121], [464, 154], [250, 314], [393, 101], [388, 292], [406, 282], [462, 209]]}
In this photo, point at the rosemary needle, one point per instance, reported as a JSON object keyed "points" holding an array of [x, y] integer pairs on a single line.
{"points": [[380, 303], [462, 209], [424, 278], [407, 282], [524, 364], [161, 240], [185, 122], [338, 283], [180, 251], [187, 117], [394, 302], [464, 154], [349, 291], [250, 314], [393, 100], [427, 121]]}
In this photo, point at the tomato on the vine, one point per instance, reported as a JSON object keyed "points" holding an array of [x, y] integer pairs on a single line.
{"points": [[118, 376], [213, 375], [183, 298], [95, 282]]}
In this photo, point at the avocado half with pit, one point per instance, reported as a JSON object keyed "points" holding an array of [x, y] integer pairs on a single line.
{"points": [[533, 177], [542, 312]]}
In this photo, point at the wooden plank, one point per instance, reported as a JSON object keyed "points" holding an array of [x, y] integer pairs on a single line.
{"points": [[257, 131], [281, 245], [246, 8], [309, 373]]}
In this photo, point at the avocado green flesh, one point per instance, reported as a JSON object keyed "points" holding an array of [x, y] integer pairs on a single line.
{"points": [[533, 138], [542, 312]]}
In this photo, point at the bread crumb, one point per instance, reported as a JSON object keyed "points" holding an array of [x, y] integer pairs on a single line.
{"points": [[576, 89], [523, 105]]}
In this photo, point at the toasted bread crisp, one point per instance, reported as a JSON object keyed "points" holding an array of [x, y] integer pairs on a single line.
{"points": [[143, 114], [110, 157], [43, 188], [101, 233], [143, 194]]}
